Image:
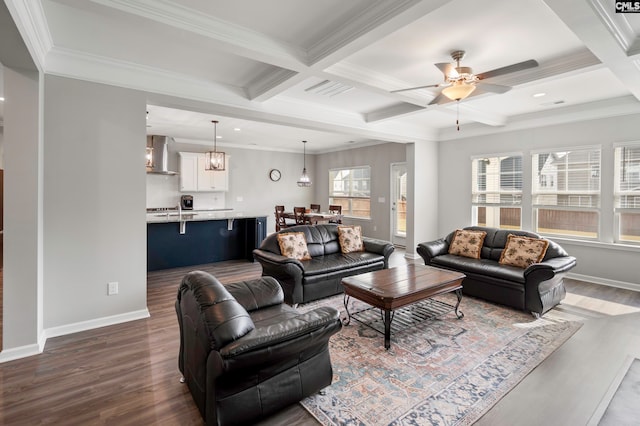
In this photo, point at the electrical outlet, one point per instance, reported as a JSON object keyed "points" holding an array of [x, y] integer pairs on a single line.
{"points": [[112, 288]]}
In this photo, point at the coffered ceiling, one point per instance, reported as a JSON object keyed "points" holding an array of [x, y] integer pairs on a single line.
{"points": [[286, 70]]}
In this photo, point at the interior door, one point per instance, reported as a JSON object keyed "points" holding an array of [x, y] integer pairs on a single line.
{"points": [[399, 204]]}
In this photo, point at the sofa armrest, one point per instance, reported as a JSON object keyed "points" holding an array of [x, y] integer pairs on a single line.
{"points": [[257, 294], [285, 331], [267, 256], [431, 249], [385, 248], [543, 271]]}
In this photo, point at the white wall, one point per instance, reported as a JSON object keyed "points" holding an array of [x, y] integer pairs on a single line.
{"points": [[380, 158], [603, 263], [94, 204]]}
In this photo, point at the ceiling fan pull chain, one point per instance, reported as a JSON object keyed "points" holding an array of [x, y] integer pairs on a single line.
{"points": [[458, 114]]}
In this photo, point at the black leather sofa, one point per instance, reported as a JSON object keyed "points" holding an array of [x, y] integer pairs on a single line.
{"points": [[244, 353], [321, 276], [535, 289]]}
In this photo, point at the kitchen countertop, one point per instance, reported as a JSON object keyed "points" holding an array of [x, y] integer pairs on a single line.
{"points": [[199, 215]]}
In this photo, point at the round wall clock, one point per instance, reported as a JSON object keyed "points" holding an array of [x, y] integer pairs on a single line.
{"points": [[275, 175]]}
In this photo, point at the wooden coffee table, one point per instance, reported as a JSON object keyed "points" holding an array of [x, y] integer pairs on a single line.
{"points": [[392, 289]]}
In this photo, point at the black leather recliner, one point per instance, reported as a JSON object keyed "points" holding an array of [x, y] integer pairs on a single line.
{"points": [[244, 353]]}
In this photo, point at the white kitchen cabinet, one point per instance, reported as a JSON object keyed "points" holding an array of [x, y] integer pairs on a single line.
{"points": [[194, 177]]}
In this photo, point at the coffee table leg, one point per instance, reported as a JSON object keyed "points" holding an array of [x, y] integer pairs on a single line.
{"points": [[345, 301], [387, 329], [459, 314]]}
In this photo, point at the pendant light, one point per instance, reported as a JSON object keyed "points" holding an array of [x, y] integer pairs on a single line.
{"points": [[304, 180], [214, 160]]}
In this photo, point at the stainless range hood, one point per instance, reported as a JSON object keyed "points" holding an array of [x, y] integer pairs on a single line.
{"points": [[160, 155]]}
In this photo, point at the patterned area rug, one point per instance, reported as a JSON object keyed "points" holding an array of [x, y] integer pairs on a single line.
{"points": [[444, 371]]}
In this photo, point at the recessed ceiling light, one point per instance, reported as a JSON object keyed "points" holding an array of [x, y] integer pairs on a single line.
{"points": [[1, 99], [236, 129], [218, 137], [539, 95]]}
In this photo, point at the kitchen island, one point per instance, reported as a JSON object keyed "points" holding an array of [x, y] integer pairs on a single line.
{"points": [[194, 237]]}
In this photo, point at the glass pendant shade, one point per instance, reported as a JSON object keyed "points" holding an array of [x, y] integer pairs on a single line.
{"points": [[458, 91], [214, 160], [304, 178]]}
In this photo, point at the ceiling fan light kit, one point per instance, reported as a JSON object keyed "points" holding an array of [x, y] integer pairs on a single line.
{"points": [[461, 82]]}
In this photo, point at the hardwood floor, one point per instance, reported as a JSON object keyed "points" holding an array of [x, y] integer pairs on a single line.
{"points": [[127, 374]]}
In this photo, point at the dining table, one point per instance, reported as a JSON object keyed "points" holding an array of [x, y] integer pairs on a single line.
{"points": [[315, 217]]}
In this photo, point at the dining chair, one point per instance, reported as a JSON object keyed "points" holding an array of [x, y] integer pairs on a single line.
{"points": [[280, 220], [335, 209], [315, 208], [299, 212]]}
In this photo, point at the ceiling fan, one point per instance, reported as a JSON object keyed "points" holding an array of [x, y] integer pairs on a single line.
{"points": [[459, 82]]}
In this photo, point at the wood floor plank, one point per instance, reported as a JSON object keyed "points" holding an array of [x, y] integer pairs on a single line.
{"points": [[127, 374]]}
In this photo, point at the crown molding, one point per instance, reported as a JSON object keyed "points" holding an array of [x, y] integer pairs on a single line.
{"points": [[377, 21], [229, 37], [606, 108], [32, 24], [618, 25]]}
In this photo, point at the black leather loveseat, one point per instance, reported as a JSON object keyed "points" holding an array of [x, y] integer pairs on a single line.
{"points": [[320, 276], [244, 353], [536, 288]]}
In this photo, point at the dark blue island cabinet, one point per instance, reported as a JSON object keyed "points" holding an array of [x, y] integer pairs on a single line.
{"points": [[203, 241]]}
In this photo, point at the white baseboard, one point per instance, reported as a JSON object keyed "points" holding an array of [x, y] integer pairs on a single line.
{"points": [[604, 281], [37, 348], [412, 256], [95, 323], [20, 352]]}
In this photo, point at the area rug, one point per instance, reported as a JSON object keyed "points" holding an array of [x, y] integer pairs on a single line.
{"points": [[444, 371]]}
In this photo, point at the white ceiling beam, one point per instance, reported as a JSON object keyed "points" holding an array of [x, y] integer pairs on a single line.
{"points": [[227, 37], [606, 35], [393, 111], [376, 22], [470, 113]]}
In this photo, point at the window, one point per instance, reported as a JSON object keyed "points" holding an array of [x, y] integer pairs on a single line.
{"points": [[566, 192], [351, 188], [627, 193], [497, 191]]}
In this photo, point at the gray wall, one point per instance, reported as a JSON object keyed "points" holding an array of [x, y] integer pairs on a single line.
{"points": [[603, 262], [22, 275], [379, 157], [94, 201]]}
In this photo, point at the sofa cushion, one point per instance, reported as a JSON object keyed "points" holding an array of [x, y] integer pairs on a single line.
{"points": [[338, 262], [523, 251], [467, 243], [294, 245], [350, 238], [479, 266]]}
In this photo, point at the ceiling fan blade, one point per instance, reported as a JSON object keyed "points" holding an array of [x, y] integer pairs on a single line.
{"points": [[495, 88], [440, 99], [449, 70], [416, 88], [531, 63]]}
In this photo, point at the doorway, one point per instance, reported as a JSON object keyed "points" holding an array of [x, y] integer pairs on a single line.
{"points": [[399, 204]]}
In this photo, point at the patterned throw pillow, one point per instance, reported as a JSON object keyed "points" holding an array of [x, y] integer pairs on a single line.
{"points": [[467, 243], [294, 245], [350, 238], [523, 251]]}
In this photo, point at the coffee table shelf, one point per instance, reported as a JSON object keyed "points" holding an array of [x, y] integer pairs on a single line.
{"points": [[403, 318]]}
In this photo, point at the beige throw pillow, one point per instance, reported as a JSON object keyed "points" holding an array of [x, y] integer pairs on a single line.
{"points": [[467, 243], [523, 251], [294, 245], [350, 238]]}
